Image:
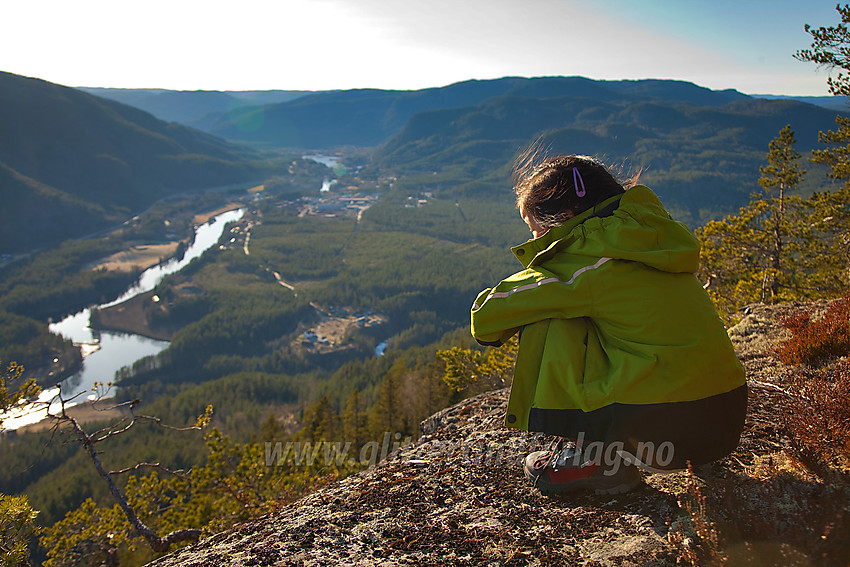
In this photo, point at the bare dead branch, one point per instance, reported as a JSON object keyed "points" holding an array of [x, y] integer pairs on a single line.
{"points": [[159, 422], [769, 386], [157, 543], [64, 402], [181, 535], [106, 433], [179, 472], [129, 512], [98, 436]]}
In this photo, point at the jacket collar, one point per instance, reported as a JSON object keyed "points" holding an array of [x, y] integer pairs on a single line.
{"points": [[526, 252]]}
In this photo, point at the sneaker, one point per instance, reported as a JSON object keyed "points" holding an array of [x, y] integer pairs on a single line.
{"points": [[561, 469]]}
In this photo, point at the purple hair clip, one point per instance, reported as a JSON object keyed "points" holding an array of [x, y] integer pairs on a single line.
{"points": [[576, 180]]}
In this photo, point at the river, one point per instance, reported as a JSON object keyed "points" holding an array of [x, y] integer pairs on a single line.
{"points": [[331, 162], [110, 351]]}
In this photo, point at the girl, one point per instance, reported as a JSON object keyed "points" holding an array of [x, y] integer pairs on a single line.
{"points": [[621, 352]]}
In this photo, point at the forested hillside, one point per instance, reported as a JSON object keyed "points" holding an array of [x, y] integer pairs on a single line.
{"points": [[702, 160], [72, 163]]}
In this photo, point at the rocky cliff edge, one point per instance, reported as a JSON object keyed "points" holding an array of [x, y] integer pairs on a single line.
{"points": [[457, 496]]}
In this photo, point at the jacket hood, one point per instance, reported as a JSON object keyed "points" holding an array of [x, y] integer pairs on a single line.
{"points": [[633, 226]]}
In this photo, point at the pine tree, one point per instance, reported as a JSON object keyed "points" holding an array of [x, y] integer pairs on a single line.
{"points": [[17, 518], [354, 421], [271, 429], [321, 421], [17, 527], [831, 49], [13, 394], [783, 173], [475, 371], [387, 412], [753, 256], [432, 393], [828, 263]]}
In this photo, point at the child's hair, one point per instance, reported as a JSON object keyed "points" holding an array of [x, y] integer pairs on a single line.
{"points": [[558, 188]]}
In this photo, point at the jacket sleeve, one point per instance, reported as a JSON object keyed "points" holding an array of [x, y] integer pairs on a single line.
{"points": [[524, 298]]}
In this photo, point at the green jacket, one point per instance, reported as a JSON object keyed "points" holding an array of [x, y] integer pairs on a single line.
{"points": [[613, 321]]}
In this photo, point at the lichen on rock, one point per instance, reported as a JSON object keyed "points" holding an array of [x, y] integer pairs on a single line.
{"points": [[458, 496]]}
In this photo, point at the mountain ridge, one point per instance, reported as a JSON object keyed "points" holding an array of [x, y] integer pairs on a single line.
{"points": [[369, 117], [73, 163], [190, 107], [215, 111]]}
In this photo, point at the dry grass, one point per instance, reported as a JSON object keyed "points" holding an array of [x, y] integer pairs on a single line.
{"points": [[694, 535], [138, 257], [205, 217], [84, 413]]}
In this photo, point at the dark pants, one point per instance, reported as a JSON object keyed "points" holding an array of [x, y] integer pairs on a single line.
{"points": [[663, 436]]}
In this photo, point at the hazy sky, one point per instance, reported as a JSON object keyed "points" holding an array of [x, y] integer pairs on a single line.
{"points": [[410, 44]]}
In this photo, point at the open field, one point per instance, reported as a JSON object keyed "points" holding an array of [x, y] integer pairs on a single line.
{"points": [[204, 217], [142, 257], [130, 317], [85, 412]]}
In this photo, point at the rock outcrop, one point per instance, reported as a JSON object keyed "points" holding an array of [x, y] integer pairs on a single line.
{"points": [[457, 496]]}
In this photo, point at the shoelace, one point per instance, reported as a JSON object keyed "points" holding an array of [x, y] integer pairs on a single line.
{"points": [[557, 448]]}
